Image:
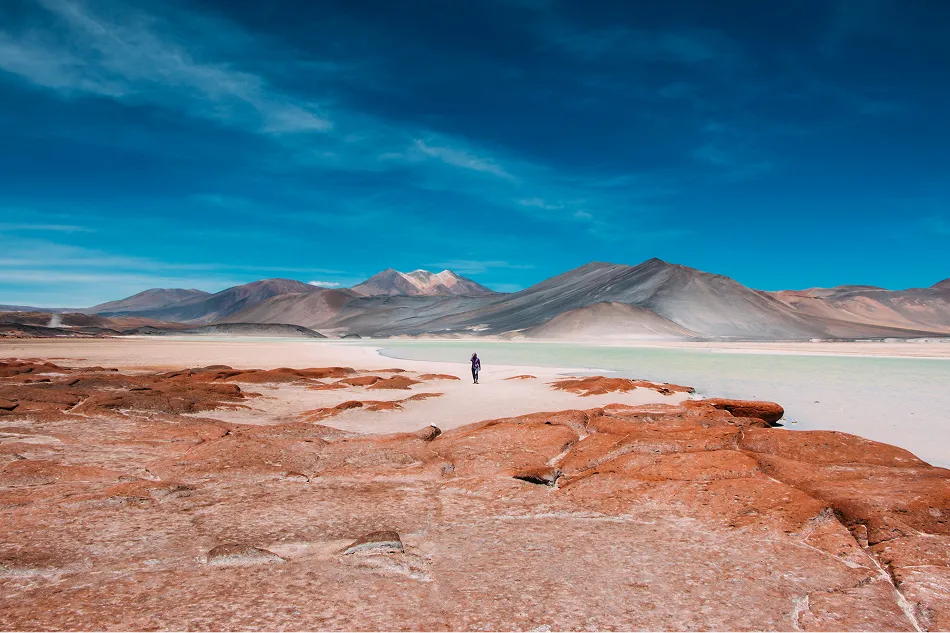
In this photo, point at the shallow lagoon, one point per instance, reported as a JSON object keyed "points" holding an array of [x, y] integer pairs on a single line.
{"points": [[900, 401]]}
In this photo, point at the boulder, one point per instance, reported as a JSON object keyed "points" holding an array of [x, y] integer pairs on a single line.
{"points": [[770, 412]]}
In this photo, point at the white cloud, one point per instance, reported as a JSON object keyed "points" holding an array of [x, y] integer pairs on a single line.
{"points": [[463, 159], [580, 214], [58, 228], [129, 57], [539, 203], [179, 62], [324, 284]]}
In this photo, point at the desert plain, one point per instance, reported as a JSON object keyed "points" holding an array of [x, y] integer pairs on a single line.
{"points": [[211, 485]]}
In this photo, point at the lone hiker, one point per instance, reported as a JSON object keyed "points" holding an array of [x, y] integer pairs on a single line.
{"points": [[476, 366]]}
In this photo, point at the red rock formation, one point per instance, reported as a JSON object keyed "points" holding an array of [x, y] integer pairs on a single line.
{"points": [[523, 377], [599, 385], [767, 411], [696, 517], [285, 374]]}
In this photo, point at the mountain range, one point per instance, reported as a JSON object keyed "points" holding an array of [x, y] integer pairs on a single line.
{"points": [[599, 301]]}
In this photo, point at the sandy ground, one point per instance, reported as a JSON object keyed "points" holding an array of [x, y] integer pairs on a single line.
{"points": [[461, 401]]}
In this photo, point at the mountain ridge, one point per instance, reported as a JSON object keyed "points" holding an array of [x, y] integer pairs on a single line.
{"points": [[419, 282], [206, 309], [151, 299]]}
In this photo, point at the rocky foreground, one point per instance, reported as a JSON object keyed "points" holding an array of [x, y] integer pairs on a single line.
{"points": [[125, 503]]}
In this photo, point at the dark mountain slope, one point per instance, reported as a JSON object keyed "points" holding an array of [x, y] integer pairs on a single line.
{"points": [[152, 299], [205, 309]]}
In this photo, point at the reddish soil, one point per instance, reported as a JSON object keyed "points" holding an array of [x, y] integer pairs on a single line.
{"points": [[438, 377], [396, 382]]}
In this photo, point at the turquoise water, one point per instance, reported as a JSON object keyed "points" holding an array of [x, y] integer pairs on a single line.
{"points": [[900, 401]]}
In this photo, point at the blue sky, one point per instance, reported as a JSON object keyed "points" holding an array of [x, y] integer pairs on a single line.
{"points": [[205, 144]]}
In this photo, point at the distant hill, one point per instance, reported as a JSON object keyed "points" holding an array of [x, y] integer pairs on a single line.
{"points": [[72, 324], [268, 330], [19, 308], [148, 300], [915, 308], [54, 320], [391, 282], [207, 308]]}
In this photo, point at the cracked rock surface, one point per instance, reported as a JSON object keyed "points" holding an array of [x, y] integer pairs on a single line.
{"points": [[126, 504]]}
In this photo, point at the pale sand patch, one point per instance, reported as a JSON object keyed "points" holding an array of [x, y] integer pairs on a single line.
{"points": [[461, 403]]}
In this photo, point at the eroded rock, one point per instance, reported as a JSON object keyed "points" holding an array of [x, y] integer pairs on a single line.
{"points": [[428, 433], [770, 412], [376, 542], [241, 554]]}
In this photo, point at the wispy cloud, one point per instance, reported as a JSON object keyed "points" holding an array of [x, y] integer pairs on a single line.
{"points": [[114, 51], [325, 284], [540, 204], [458, 157], [135, 58], [55, 228], [79, 276]]}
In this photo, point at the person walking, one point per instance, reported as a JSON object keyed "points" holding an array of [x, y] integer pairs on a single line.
{"points": [[476, 367]]}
